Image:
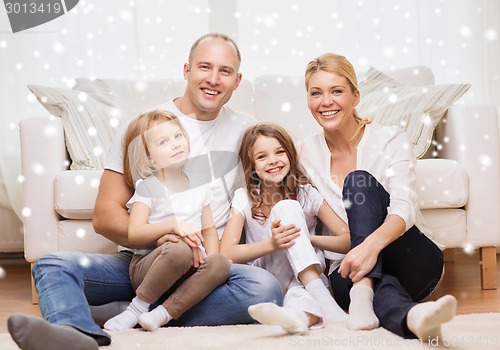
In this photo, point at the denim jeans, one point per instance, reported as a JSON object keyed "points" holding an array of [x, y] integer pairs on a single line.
{"points": [[407, 270], [68, 282]]}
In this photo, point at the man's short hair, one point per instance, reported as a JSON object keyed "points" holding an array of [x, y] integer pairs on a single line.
{"points": [[214, 36]]}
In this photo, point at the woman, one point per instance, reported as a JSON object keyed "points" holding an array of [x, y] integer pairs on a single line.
{"points": [[366, 172]]}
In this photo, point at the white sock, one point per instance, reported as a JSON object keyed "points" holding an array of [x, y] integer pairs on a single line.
{"points": [[291, 320], [425, 319], [329, 308], [154, 319], [361, 314], [128, 318]]}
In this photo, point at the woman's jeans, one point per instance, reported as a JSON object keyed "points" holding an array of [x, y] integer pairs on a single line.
{"points": [[407, 270], [68, 282]]}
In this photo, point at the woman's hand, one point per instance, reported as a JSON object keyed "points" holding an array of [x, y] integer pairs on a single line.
{"points": [[283, 236], [359, 261]]}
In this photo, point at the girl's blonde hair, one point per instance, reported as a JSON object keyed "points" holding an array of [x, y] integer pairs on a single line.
{"points": [[136, 161], [339, 65], [290, 185]]}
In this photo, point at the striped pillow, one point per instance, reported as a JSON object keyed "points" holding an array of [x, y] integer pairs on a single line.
{"points": [[89, 123], [416, 109]]}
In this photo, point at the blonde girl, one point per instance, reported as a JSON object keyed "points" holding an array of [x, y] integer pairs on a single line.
{"points": [[156, 148], [277, 193]]}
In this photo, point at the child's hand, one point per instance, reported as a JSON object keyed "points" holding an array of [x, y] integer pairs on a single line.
{"points": [[169, 237], [183, 229], [198, 257], [283, 236]]}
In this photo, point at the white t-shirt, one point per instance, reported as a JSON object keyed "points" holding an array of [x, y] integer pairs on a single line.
{"points": [[214, 149], [309, 199], [168, 205], [386, 153]]}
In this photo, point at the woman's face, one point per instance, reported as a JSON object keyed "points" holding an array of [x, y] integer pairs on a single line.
{"points": [[331, 100]]}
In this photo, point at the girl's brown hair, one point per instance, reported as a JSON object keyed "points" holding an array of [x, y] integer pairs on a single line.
{"points": [[290, 185], [339, 65], [136, 162]]}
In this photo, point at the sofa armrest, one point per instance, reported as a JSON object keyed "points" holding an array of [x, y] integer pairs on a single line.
{"points": [[469, 135], [43, 156]]}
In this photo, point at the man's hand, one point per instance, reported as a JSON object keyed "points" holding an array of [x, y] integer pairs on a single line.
{"points": [[283, 236]]}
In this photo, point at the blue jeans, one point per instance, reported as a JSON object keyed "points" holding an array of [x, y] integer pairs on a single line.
{"points": [[407, 270], [68, 282]]}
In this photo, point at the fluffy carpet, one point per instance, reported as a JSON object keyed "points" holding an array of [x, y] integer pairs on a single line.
{"points": [[474, 331]]}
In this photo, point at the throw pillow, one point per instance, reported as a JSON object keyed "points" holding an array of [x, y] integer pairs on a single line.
{"points": [[416, 109], [89, 123]]}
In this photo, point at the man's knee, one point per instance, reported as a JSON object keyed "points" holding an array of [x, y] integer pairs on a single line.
{"points": [[258, 283]]}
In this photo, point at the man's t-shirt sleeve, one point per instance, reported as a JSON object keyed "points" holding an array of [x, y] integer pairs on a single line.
{"points": [[115, 156]]}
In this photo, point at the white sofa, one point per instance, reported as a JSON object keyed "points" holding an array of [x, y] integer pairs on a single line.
{"points": [[460, 193], [11, 233]]}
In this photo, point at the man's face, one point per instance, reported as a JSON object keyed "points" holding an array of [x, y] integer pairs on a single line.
{"points": [[212, 76]]}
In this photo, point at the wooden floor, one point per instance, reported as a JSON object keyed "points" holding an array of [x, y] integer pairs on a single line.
{"points": [[461, 280]]}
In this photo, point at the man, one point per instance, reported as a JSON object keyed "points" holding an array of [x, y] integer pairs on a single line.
{"points": [[67, 282]]}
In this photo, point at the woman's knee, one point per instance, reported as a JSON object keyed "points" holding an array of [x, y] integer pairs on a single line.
{"points": [[361, 182]]}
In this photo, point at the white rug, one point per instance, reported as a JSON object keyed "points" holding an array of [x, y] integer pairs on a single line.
{"points": [[475, 331]]}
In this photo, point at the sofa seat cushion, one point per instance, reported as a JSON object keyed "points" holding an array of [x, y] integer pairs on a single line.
{"points": [[75, 193], [79, 235], [441, 183], [447, 226]]}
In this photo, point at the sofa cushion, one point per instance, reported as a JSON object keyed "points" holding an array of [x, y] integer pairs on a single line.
{"points": [[132, 97], [441, 183], [283, 100], [416, 109], [89, 123], [75, 193], [448, 226], [79, 235]]}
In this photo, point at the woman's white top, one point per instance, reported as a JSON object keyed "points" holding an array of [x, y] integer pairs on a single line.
{"points": [[386, 153]]}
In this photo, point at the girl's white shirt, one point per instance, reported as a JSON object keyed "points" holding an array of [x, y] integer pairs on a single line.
{"points": [[215, 144], [166, 205], [309, 199]]}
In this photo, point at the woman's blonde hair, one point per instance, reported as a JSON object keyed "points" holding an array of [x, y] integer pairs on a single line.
{"points": [[339, 65], [290, 185], [136, 162]]}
